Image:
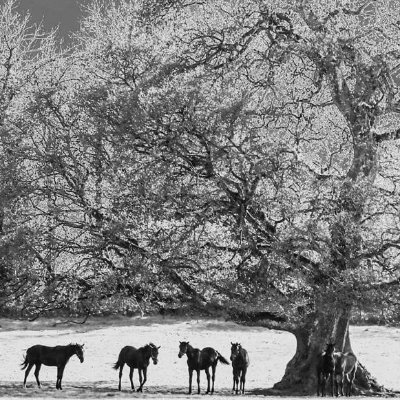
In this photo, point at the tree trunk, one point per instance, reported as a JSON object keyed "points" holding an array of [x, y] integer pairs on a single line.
{"points": [[301, 372]]}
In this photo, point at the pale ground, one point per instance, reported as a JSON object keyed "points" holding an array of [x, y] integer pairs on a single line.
{"points": [[378, 348]]}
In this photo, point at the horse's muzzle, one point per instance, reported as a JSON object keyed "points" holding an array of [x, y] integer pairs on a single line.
{"points": [[155, 361], [180, 355], [81, 360]]}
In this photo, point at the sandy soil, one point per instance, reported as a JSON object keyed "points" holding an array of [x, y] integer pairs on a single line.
{"points": [[377, 347]]}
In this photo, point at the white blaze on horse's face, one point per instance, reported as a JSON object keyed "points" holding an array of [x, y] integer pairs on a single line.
{"points": [[182, 348]]}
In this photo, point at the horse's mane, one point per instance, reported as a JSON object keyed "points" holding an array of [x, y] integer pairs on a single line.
{"points": [[76, 345]]}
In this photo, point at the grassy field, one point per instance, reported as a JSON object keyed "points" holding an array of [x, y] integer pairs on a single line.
{"points": [[378, 348]]}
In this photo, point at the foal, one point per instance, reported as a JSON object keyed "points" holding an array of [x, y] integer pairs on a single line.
{"points": [[240, 362], [201, 359], [345, 372], [56, 356], [136, 358], [326, 368]]}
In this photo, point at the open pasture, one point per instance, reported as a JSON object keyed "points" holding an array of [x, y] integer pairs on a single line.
{"points": [[377, 347]]}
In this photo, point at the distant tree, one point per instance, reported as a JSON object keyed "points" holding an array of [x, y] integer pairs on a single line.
{"points": [[25, 51]]}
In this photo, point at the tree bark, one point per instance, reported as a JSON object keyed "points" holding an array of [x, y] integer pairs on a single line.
{"points": [[301, 372]]}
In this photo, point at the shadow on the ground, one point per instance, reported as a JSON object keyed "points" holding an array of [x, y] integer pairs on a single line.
{"points": [[100, 389]]}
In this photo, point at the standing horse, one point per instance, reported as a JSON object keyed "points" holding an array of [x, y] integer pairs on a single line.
{"points": [[201, 359], [240, 362], [326, 369], [345, 372], [136, 358], [56, 356]]}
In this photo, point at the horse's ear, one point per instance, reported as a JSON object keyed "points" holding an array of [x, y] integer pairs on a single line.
{"points": [[180, 342], [83, 345], [232, 343], [158, 347]]}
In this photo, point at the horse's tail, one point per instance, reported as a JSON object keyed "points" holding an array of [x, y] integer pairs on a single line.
{"points": [[222, 359], [24, 364], [117, 364]]}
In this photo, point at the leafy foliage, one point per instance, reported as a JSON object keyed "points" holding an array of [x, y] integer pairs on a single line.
{"points": [[235, 154]]}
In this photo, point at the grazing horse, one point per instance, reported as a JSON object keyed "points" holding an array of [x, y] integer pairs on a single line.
{"points": [[240, 362], [201, 359], [345, 372], [136, 358], [326, 369], [56, 356]]}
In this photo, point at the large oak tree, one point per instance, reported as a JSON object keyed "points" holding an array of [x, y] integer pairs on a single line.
{"points": [[279, 122]]}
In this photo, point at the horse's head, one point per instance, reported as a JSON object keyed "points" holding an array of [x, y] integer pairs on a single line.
{"points": [[330, 348], [183, 347], [235, 350], [79, 351], [154, 352]]}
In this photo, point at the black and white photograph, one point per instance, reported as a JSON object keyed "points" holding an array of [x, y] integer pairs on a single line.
{"points": [[199, 198]]}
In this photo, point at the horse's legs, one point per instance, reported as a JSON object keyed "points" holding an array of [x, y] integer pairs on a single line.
{"points": [[131, 377], [346, 384], [351, 377], [342, 382], [208, 379], [332, 379], [318, 383], [37, 369], [338, 382], [323, 384], [60, 372], [198, 381], [243, 379], [190, 380], [213, 367], [142, 381], [27, 373], [144, 377], [235, 380], [120, 376]]}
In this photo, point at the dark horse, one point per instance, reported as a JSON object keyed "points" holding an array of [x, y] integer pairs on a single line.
{"points": [[326, 369], [345, 372], [56, 356], [201, 359], [136, 358], [240, 362]]}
